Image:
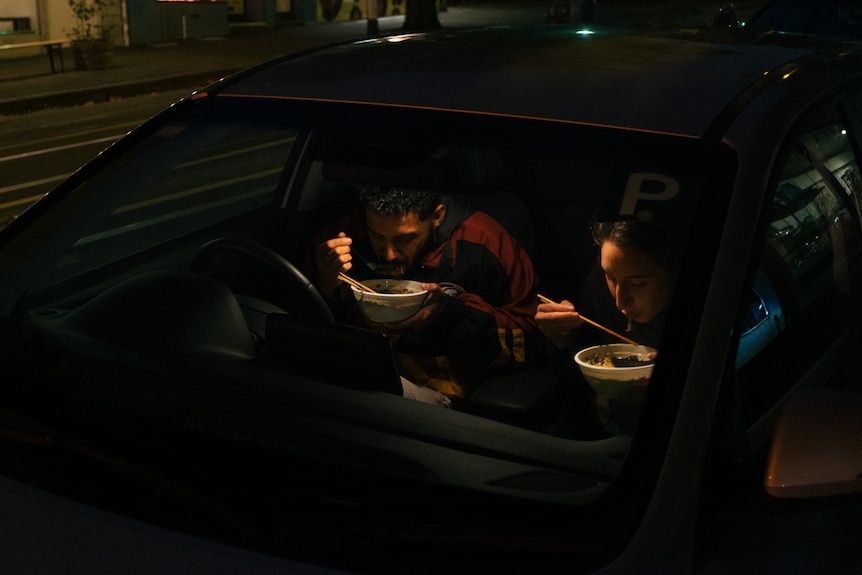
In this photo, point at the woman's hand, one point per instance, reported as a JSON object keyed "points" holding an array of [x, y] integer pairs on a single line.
{"points": [[556, 320]]}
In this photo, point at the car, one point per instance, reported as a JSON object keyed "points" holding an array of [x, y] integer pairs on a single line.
{"points": [[177, 394]]}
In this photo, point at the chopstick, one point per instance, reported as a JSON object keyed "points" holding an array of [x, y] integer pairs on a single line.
{"points": [[358, 285], [544, 299], [591, 322]]}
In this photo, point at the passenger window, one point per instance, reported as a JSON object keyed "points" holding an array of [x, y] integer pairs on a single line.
{"points": [[808, 280]]}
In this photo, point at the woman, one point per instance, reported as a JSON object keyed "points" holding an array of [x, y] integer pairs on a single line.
{"points": [[628, 291]]}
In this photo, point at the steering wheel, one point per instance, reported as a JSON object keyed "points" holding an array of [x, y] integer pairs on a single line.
{"points": [[275, 262]]}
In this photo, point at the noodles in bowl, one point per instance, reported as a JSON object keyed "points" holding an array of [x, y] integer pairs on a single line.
{"points": [[395, 300], [616, 369]]}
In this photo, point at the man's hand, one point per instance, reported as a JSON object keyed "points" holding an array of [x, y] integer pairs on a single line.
{"points": [[332, 256], [427, 314], [555, 320]]}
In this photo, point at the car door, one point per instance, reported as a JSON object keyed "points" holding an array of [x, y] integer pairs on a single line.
{"points": [[798, 342]]}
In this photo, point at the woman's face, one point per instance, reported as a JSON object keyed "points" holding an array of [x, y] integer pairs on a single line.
{"points": [[640, 288]]}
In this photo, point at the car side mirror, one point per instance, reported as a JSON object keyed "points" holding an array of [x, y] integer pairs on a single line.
{"points": [[817, 446]]}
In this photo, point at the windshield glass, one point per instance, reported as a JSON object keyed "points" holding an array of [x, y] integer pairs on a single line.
{"points": [[183, 303]]}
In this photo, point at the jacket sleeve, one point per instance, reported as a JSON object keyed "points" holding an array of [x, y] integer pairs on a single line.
{"points": [[491, 324]]}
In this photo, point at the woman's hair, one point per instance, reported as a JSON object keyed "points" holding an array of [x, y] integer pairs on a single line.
{"points": [[664, 245], [399, 201]]}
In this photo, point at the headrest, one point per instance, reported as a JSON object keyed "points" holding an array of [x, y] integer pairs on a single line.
{"points": [[425, 175]]}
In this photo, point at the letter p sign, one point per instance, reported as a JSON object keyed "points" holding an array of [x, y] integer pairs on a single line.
{"points": [[649, 187]]}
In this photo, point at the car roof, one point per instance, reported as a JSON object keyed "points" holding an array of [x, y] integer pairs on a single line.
{"points": [[655, 83]]}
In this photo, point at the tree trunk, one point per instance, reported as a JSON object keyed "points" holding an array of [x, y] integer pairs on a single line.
{"points": [[421, 16], [92, 54]]}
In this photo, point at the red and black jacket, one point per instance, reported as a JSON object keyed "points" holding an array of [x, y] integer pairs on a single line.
{"points": [[487, 323]]}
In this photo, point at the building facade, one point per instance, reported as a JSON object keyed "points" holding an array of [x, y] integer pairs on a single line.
{"points": [[133, 22]]}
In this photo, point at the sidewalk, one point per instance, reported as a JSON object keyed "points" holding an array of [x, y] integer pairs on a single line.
{"points": [[27, 84]]}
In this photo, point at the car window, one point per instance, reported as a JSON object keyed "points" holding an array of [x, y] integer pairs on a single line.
{"points": [[189, 175], [807, 285]]}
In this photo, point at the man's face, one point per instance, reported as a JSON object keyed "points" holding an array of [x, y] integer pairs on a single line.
{"points": [[400, 240], [640, 288]]}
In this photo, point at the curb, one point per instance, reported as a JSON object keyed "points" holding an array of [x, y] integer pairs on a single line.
{"points": [[97, 94]]}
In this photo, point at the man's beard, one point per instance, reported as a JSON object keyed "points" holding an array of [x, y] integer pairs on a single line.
{"points": [[392, 270], [395, 270]]}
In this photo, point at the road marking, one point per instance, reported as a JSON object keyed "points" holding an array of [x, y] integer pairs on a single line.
{"points": [[197, 190], [33, 183], [58, 149], [28, 201], [125, 126], [238, 152]]}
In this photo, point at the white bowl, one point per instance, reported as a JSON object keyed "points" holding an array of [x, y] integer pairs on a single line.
{"points": [[596, 365], [395, 301]]}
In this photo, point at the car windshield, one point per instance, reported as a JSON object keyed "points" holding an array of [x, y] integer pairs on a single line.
{"points": [[153, 319]]}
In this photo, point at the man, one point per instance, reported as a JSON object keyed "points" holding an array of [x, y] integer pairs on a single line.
{"points": [[478, 316]]}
